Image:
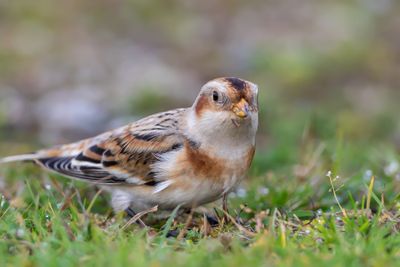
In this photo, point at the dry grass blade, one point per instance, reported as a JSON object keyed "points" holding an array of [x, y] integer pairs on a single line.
{"points": [[206, 228], [68, 200], [138, 216], [240, 227]]}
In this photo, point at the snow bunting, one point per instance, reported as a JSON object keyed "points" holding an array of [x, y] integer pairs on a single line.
{"points": [[187, 157]]}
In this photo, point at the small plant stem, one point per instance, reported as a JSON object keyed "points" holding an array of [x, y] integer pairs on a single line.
{"points": [[335, 196]]}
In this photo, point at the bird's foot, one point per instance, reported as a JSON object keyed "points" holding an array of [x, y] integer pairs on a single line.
{"points": [[212, 220], [225, 207]]}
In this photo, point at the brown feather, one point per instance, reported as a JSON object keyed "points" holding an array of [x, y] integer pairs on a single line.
{"points": [[202, 104], [202, 164]]}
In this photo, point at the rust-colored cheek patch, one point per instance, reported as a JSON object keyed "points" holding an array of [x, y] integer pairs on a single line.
{"points": [[201, 105]]}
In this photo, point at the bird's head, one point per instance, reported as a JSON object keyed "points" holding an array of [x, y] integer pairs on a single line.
{"points": [[227, 106], [228, 98]]}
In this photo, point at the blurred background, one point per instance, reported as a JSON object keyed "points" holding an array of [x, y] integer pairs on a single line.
{"points": [[328, 73]]}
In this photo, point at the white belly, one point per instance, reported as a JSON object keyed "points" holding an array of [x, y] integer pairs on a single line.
{"points": [[191, 194]]}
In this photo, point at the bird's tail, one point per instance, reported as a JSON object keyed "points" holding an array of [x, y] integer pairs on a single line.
{"points": [[25, 157]]}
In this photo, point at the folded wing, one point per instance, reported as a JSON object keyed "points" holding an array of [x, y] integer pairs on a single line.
{"points": [[123, 156]]}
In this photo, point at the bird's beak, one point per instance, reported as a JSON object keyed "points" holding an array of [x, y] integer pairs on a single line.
{"points": [[241, 109]]}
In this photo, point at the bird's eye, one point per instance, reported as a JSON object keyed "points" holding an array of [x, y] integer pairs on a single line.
{"points": [[215, 96]]}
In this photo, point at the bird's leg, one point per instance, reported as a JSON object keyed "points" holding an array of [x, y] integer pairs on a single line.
{"points": [[131, 213], [225, 207], [212, 220]]}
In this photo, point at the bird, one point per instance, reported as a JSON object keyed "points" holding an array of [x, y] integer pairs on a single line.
{"points": [[185, 157]]}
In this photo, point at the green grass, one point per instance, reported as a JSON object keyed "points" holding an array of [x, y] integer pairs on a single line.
{"points": [[289, 212], [51, 224]]}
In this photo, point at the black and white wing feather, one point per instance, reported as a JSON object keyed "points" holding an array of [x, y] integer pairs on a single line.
{"points": [[122, 156]]}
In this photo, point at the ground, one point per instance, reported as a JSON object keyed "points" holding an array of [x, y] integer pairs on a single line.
{"points": [[323, 192]]}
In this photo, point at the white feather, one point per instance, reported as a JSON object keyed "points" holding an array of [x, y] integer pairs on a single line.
{"points": [[79, 163], [19, 158], [134, 180], [216, 130], [162, 186]]}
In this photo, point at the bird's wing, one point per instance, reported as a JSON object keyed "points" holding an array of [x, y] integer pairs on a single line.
{"points": [[123, 156]]}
